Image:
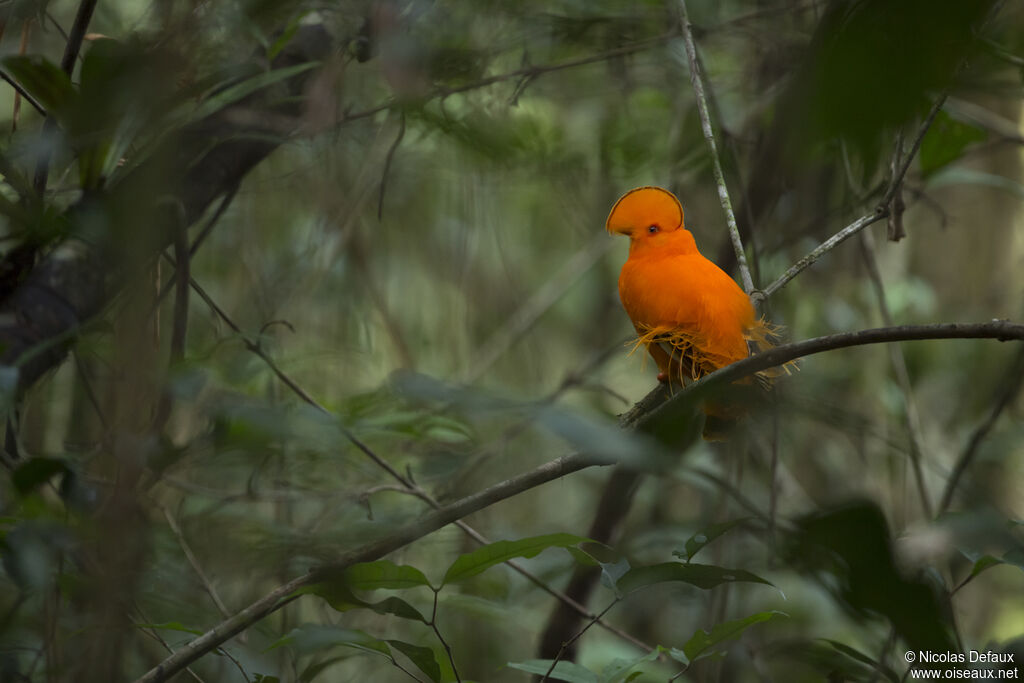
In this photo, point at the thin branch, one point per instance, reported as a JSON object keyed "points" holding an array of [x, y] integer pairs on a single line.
{"points": [[194, 561], [387, 164], [899, 365], [880, 212], [21, 91], [526, 71], [179, 329], [709, 136], [444, 643], [1012, 386], [576, 637], [897, 179]]}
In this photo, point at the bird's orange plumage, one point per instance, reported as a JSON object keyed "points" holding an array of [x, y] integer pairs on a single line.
{"points": [[692, 317]]}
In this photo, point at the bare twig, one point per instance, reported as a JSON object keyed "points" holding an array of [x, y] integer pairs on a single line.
{"points": [[899, 365], [25, 94], [709, 136], [526, 71], [880, 212], [387, 164], [444, 643], [1012, 386], [576, 637], [194, 561]]}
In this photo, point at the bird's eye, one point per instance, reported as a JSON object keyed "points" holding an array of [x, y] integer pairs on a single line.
{"points": [[652, 229]]}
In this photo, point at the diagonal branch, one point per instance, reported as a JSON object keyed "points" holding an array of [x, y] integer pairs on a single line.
{"points": [[1012, 386], [705, 124]]}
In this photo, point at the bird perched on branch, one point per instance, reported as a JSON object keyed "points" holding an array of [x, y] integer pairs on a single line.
{"points": [[692, 317]]}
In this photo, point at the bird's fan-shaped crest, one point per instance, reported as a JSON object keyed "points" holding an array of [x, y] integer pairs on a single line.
{"points": [[644, 205]]}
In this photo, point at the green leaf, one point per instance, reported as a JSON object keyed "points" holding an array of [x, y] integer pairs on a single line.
{"points": [[563, 671], [487, 556], [422, 657], [313, 670], [704, 576], [316, 637], [1014, 556], [618, 669], [383, 574], [984, 562], [696, 543], [957, 175], [611, 572], [35, 472], [946, 141], [238, 91], [339, 596], [44, 80], [861, 657], [702, 641]]}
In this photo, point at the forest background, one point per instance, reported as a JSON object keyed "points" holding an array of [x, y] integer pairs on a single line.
{"points": [[309, 324]]}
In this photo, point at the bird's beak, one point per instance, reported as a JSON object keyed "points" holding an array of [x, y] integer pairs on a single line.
{"points": [[619, 229]]}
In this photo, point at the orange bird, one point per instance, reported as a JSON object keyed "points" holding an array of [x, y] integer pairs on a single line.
{"points": [[692, 317]]}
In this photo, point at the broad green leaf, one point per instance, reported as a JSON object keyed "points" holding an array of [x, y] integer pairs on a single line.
{"points": [[702, 641], [44, 80], [563, 671], [618, 669], [957, 175], [339, 596], [695, 543], [701, 575], [1015, 556], [422, 657], [680, 656], [383, 574], [316, 637], [313, 670], [984, 562], [861, 657], [487, 556], [611, 572], [946, 141]]}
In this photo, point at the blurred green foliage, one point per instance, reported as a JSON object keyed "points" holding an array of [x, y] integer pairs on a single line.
{"points": [[423, 255]]}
